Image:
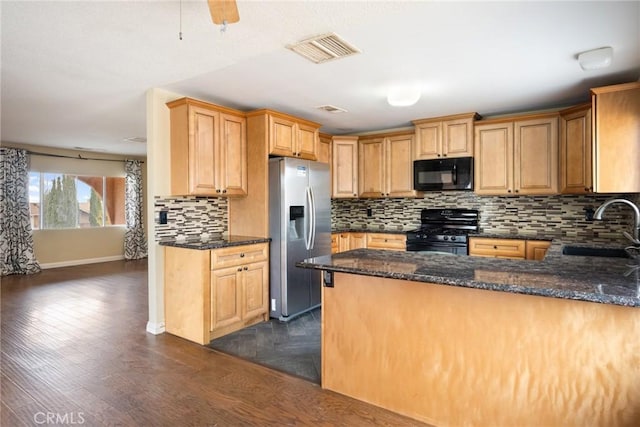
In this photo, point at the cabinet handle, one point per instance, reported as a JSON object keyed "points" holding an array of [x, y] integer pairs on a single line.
{"points": [[242, 255]]}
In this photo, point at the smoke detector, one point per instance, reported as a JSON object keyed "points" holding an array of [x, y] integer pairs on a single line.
{"points": [[323, 48]]}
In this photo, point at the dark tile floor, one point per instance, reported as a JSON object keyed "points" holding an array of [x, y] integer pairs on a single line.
{"points": [[292, 347]]}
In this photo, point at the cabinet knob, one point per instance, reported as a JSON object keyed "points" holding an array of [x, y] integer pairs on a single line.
{"points": [[495, 247], [242, 255], [517, 191], [217, 191], [509, 191], [246, 268], [239, 268], [224, 191], [444, 155], [438, 155], [354, 194]]}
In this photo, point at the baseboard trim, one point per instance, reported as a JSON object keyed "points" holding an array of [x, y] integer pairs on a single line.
{"points": [[155, 328], [81, 262]]}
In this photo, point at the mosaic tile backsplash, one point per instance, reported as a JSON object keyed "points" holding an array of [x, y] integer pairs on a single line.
{"points": [[534, 216], [190, 217]]}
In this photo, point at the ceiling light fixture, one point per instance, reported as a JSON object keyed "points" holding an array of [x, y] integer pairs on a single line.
{"points": [[403, 96], [596, 59]]}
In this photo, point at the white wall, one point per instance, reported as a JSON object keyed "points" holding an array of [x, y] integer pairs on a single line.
{"points": [[158, 184]]}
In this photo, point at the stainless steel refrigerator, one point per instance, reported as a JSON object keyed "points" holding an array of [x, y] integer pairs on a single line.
{"points": [[300, 228]]}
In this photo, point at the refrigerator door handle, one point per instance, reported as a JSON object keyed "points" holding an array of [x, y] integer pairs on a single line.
{"points": [[313, 219], [309, 222]]}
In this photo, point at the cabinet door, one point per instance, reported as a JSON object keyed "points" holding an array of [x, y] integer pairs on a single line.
{"points": [[457, 138], [324, 148], [255, 283], [335, 245], [357, 240], [575, 152], [428, 140], [203, 150], [282, 136], [536, 156], [399, 166], [371, 168], [226, 297], [345, 167], [343, 242], [307, 142], [536, 249], [494, 158], [232, 170], [616, 138]]}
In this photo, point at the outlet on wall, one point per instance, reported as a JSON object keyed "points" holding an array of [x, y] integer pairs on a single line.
{"points": [[163, 217], [369, 212]]}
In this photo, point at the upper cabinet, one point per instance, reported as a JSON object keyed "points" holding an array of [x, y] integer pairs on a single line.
{"points": [[449, 136], [344, 167], [324, 148], [290, 136], [385, 167], [208, 149], [575, 150], [517, 156], [616, 138]]}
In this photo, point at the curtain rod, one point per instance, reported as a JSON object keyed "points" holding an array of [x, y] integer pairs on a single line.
{"points": [[79, 157]]}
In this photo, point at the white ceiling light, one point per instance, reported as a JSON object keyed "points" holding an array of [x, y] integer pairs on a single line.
{"points": [[403, 96], [596, 59]]}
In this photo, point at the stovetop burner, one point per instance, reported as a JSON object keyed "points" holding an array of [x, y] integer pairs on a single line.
{"points": [[443, 227]]}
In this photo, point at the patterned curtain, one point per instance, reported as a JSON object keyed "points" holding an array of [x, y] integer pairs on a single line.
{"points": [[16, 236], [135, 242]]}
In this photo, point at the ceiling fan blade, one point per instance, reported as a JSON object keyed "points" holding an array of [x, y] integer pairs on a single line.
{"points": [[223, 10]]}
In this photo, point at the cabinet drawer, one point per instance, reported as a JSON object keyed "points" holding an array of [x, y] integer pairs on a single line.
{"points": [[498, 248], [396, 242], [238, 255]]}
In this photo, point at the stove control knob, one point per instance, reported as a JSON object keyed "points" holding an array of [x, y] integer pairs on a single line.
{"points": [[453, 238], [446, 237]]}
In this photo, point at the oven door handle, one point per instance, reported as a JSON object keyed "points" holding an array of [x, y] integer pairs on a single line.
{"points": [[454, 174]]}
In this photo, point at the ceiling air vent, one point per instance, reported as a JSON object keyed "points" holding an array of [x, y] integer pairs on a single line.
{"points": [[331, 109], [136, 139], [323, 48]]}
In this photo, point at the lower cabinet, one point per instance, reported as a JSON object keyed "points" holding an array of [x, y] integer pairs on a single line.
{"points": [[508, 248], [209, 294], [341, 242]]}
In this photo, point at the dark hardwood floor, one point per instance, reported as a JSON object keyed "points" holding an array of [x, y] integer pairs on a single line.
{"points": [[74, 350]]}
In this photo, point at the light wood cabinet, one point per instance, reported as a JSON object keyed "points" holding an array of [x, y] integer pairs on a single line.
{"points": [[357, 240], [208, 149], [335, 243], [209, 294], [347, 241], [616, 138], [536, 249], [497, 248], [508, 248], [575, 150], [290, 136], [517, 156], [449, 136], [385, 166], [324, 148], [344, 167], [395, 242]]}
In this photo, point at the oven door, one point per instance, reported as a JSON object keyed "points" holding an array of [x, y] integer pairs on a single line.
{"points": [[450, 248]]}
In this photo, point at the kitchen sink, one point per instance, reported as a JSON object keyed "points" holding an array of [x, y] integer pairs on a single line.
{"points": [[601, 252]]}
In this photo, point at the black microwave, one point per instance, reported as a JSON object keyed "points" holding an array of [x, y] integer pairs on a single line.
{"points": [[443, 174]]}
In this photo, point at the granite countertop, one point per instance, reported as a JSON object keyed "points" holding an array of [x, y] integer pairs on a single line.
{"points": [[213, 241], [594, 279]]}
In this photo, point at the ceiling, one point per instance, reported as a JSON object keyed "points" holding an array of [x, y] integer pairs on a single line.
{"points": [[75, 74]]}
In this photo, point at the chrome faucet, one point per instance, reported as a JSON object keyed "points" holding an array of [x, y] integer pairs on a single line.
{"points": [[636, 217]]}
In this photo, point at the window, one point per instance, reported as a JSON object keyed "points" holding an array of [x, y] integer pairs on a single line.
{"points": [[75, 201]]}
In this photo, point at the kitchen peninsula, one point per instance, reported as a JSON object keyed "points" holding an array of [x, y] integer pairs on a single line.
{"points": [[457, 340]]}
